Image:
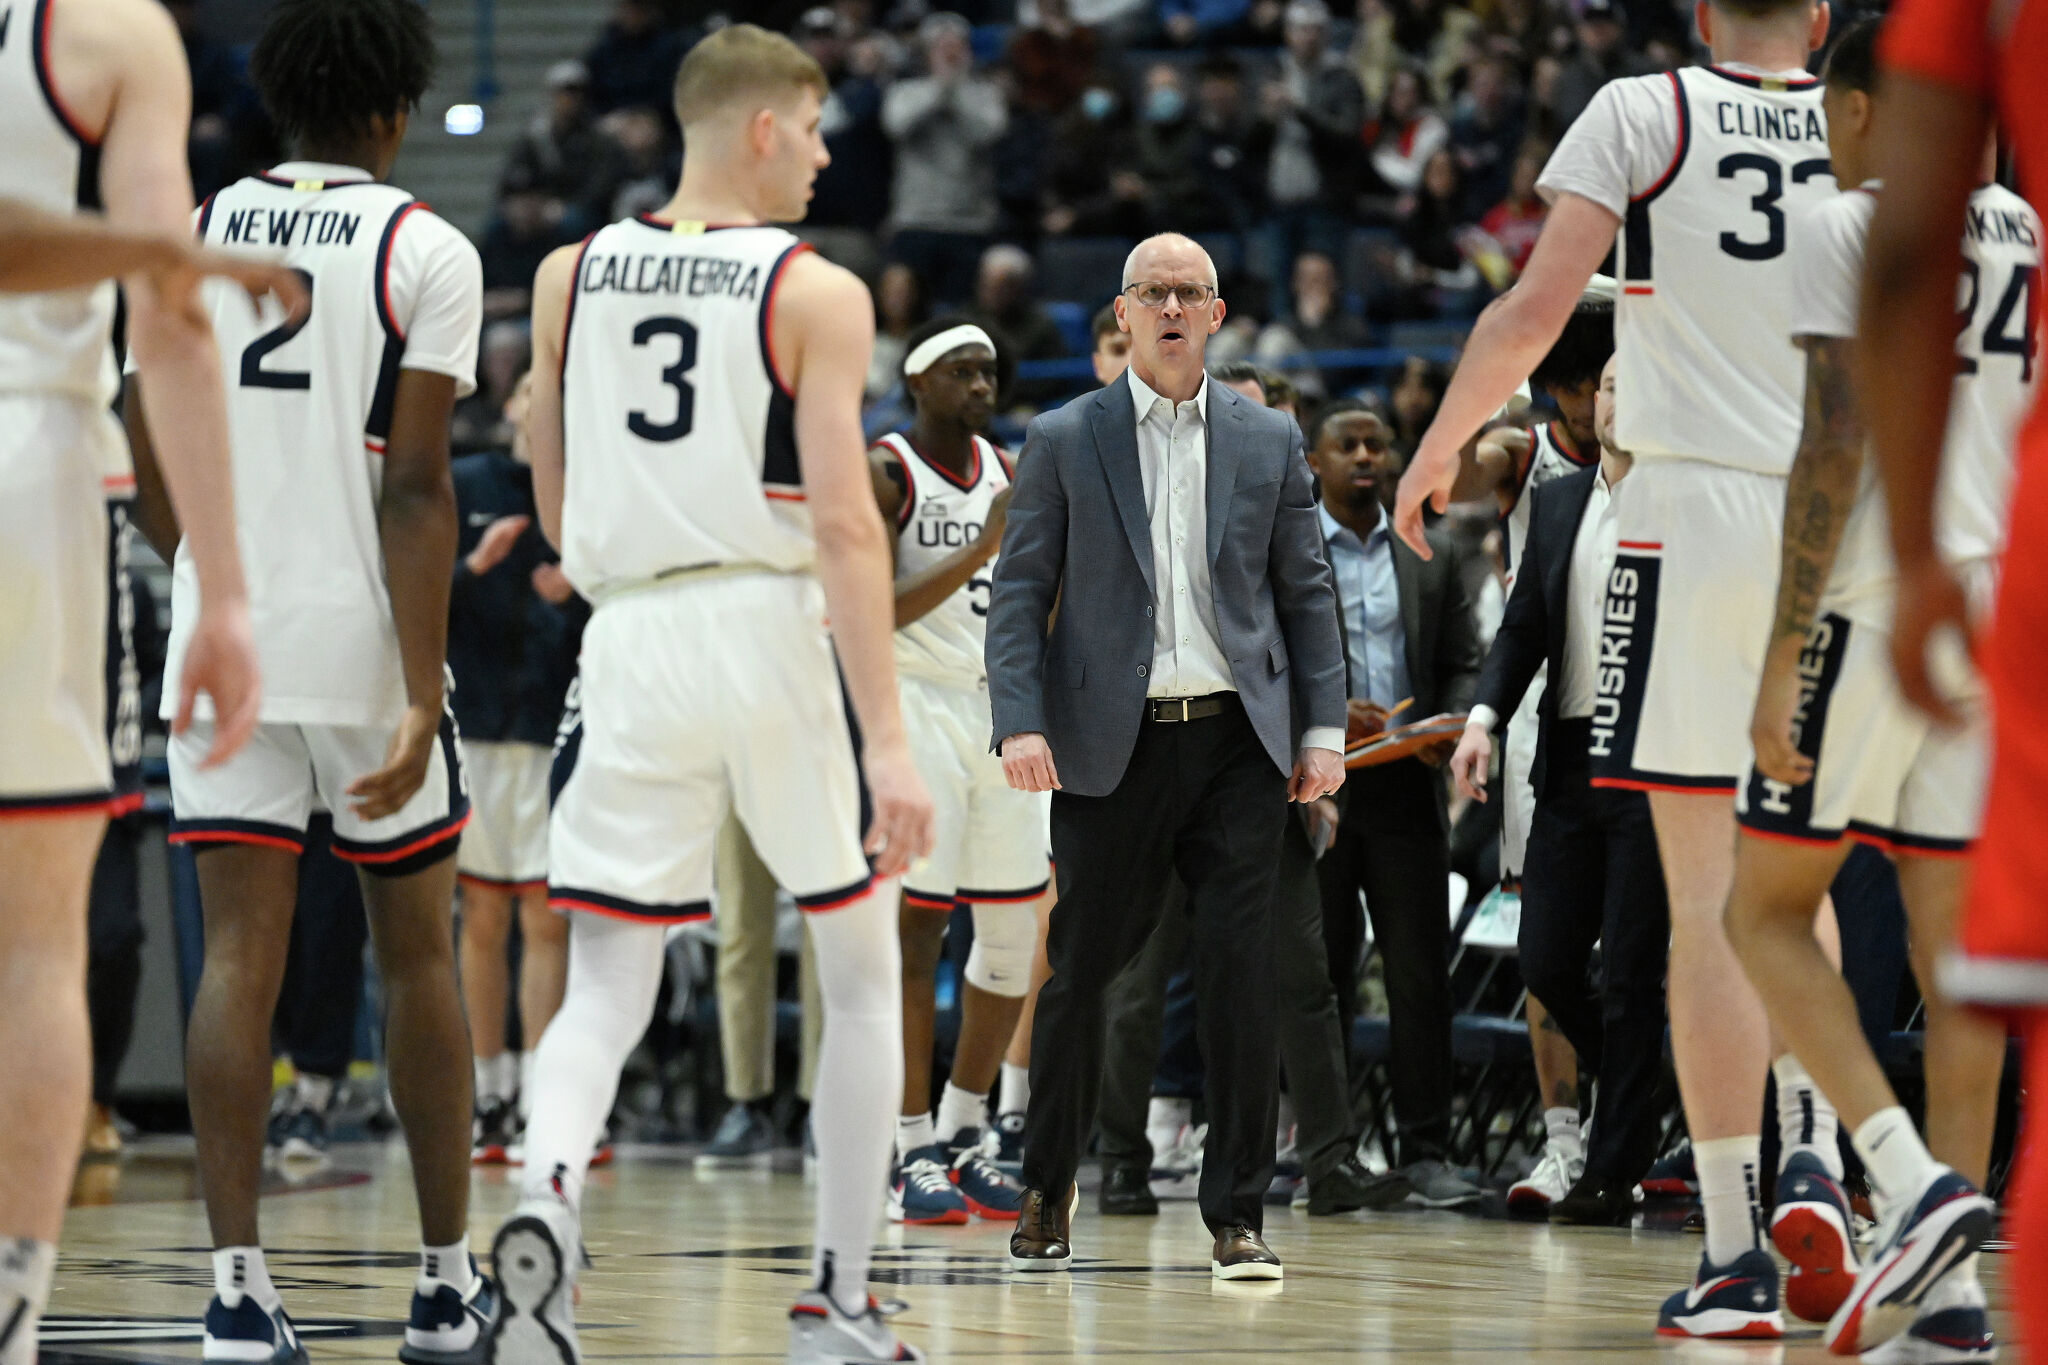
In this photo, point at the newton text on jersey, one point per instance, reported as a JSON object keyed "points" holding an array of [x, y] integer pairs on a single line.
{"points": [[291, 227], [1739, 118], [695, 276]]}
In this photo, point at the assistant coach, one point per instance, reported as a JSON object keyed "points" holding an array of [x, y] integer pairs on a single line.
{"points": [[1190, 683]]}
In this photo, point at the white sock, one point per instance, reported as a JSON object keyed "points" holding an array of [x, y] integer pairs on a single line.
{"points": [[1561, 1126], [487, 1080], [1016, 1089], [449, 1265], [1164, 1118], [25, 1270], [1894, 1155], [614, 974], [1806, 1121], [1728, 1195], [506, 1082], [524, 1068], [315, 1092], [960, 1109], [912, 1132], [860, 1081], [240, 1270]]}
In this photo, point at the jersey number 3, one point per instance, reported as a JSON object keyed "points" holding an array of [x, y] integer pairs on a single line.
{"points": [[1765, 202], [677, 376]]}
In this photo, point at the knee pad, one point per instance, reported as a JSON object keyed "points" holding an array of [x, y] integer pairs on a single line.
{"points": [[1005, 937]]}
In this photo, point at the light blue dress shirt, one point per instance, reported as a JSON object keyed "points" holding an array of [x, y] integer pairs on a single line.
{"points": [[1369, 595]]}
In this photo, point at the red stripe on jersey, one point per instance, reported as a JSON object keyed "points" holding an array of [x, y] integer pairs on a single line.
{"points": [[1678, 152], [768, 317], [569, 313], [384, 269], [56, 102], [234, 836], [784, 494], [1640, 289], [1640, 544], [440, 833]]}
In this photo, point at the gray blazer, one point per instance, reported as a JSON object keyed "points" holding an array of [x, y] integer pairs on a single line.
{"points": [[1078, 536]]}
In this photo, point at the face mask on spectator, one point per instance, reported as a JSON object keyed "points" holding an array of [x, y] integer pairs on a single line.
{"points": [[1165, 105], [1097, 102]]}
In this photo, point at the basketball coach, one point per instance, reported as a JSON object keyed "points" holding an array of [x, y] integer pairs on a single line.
{"points": [[1163, 657]]}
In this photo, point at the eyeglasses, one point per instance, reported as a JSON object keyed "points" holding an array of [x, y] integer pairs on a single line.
{"points": [[1153, 294]]}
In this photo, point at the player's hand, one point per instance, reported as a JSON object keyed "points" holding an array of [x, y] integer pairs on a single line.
{"points": [[1429, 478], [495, 543], [221, 662], [1929, 597], [991, 537], [552, 584], [1317, 774], [386, 791], [1469, 760], [902, 828], [1777, 708], [1027, 763], [183, 265], [1363, 719]]}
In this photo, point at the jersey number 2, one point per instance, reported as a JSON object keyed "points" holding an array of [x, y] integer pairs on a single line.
{"points": [[1765, 201], [676, 376], [254, 376]]}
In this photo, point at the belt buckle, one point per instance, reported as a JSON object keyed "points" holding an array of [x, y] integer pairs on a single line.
{"points": [[1183, 716]]}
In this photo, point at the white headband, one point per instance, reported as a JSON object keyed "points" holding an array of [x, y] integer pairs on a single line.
{"points": [[952, 339]]}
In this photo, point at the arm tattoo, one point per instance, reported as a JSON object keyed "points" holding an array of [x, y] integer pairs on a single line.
{"points": [[1822, 486]]}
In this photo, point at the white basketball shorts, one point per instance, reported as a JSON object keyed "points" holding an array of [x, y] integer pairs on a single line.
{"points": [[53, 605], [1689, 606], [1517, 794], [266, 792], [988, 840], [699, 696], [506, 842], [1883, 773]]}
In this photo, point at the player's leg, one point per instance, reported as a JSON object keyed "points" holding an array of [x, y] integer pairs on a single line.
{"points": [[2028, 1219], [1965, 1048], [920, 1190], [486, 929], [45, 868], [992, 994], [543, 974]]}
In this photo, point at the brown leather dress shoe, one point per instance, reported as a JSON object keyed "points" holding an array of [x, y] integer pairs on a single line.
{"points": [[1242, 1254], [1044, 1236]]}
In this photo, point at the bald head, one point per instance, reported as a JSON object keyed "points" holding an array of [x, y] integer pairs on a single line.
{"points": [[1170, 307], [1169, 251]]}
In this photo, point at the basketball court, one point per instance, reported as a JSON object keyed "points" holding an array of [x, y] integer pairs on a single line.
{"points": [[702, 1269]]}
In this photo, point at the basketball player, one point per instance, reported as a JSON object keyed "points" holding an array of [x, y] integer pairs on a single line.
{"points": [[1944, 67], [1704, 173], [339, 426], [95, 103], [1839, 754], [945, 487], [697, 455]]}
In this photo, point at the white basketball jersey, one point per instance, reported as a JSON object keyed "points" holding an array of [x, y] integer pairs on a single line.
{"points": [[55, 342], [938, 517], [309, 408], [1707, 368], [1996, 363], [1548, 460], [680, 436]]}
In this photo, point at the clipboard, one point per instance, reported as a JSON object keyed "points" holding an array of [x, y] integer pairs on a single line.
{"points": [[1389, 745]]}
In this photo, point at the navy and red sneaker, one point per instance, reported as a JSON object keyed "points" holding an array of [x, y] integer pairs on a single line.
{"points": [[1928, 1239], [1953, 1328], [1737, 1300], [1813, 1228], [989, 1193], [1672, 1176], [921, 1190]]}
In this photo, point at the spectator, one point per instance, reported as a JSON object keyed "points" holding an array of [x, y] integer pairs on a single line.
{"points": [[1186, 23], [519, 237], [564, 156], [1316, 319], [1004, 307], [1241, 377], [1111, 350], [1428, 33], [1221, 158], [1486, 130], [1440, 277], [231, 135], [1281, 394], [1516, 221], [1117, 23], [633, 64], [480, 421], [853, 191], [943, 200], [1406, 135], [1167, 135], [648, 165], [1601, 58], [1309, 143], [1413, 401], [1092, 185], [900, 307], [1051, 60]]}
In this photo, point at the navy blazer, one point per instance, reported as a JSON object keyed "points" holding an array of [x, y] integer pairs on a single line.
{"points": [[1078, 536]]}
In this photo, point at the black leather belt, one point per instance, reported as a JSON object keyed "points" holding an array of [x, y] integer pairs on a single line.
{"points": [[1178, 709]]}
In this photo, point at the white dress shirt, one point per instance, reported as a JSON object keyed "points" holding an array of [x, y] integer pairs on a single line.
{"points": [[1593, 553], [1173, 460]]}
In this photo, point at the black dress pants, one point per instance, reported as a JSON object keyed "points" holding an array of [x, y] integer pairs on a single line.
{"points": [[1391, 845], [1201, 798], [1592, 874]]}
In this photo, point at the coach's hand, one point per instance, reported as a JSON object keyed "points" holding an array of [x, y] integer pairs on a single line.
{"points": [[1929, 597], [1317, 773], [1027, 763], [902, 828], [386, 791], [221, 662], [1469, 761], [1429, 479], [1777, 709], [495, 543]]}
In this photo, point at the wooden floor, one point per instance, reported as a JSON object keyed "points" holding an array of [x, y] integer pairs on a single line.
{"points": [[689, 1268]]}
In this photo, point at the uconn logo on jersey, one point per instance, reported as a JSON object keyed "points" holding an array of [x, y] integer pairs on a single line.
{"points": [[937, 531]]}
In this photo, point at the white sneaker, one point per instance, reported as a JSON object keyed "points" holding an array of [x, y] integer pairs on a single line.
{"points": [[1177, 1172], [534, 1260], [820, 1332], [1551, 1181], [1954, 1328]]}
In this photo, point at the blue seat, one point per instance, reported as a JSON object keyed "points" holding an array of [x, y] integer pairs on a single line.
{"points": [[1073, 319]]}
